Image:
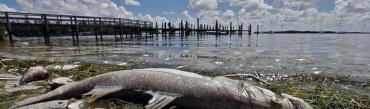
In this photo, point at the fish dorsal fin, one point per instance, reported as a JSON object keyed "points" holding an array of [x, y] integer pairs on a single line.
{"points": [[160, 99]]}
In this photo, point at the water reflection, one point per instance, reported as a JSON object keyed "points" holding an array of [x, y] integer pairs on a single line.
{"points": [[267, 53]]}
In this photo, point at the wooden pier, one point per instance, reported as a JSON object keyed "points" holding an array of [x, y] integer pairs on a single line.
{"points": [[48, 25]]}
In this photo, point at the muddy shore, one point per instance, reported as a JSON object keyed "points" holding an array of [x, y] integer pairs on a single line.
{"points": [[321, 91]]}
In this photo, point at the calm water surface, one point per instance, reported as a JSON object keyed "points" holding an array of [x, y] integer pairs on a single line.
{"points": [[332, 54]]}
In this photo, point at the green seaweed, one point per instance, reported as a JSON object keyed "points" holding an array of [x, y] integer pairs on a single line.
{"points": [[318, 90], [86, 70]]}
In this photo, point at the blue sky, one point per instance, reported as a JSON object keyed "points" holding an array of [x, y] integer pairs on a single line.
{"points": [[157, 7], [275, 14]]}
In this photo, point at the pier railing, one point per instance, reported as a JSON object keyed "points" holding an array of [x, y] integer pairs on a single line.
{"points": [[22, 24], [14, 21]]}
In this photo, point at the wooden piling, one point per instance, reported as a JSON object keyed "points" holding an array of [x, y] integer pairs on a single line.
{"points": [[181, 28], [250, 29], [156, 28], [76, 30], [216, 28], [9, 27], [96, 31], [115, 30], [120, 29], [101, 30], [45, 29], [72, 30], [258, 27], [198, 26]]}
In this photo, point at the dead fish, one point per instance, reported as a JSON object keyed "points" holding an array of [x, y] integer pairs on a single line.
{"points": [[174, 87], [34, 74], [42, 73]]}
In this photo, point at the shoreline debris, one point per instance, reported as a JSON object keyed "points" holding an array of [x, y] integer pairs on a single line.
{"points": [[168, 86]]}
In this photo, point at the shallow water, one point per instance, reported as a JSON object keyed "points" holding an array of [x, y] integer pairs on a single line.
{"points": [[332, 54]]}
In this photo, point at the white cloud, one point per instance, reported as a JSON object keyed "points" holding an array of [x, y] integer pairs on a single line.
{"points": [[280, 15], [204, 5], [132, 2], [147, 17], [205, 8], [287, 14], [228, 14], [4, 7], [104, 8], [188, 17]]}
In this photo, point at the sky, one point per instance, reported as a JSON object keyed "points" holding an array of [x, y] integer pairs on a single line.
{"points": [[273, 15]]}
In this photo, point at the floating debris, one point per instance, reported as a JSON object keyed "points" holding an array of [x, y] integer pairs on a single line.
{"points": [[25, 43], [122, 64], [7, 60], [60, 81], [301, 59], [61, 67], [167, 59], [317, 72], [180, 67], [219, 63], [75, 104]]}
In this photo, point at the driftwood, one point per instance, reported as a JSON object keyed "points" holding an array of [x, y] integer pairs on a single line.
{"points": [[169, 88], [243, 76]]}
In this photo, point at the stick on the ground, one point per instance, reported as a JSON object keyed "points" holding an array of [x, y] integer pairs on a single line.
{"points": [[247, 76]]}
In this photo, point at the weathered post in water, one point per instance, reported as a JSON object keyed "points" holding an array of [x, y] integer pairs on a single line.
{"points": [[115, 30], [216, 28], [241, 29], [95, 31], [72, 30], [250, 29], [76, 30], [156, 28], [231, 28], [181, 28], [186, 28], [9, 27], [258, 27], [45, 28], [120, 29], [164, 30], [101, 30], [198, 29]]}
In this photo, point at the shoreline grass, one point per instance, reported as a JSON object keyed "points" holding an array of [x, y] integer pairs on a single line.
{"points": [[322, 92]]}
